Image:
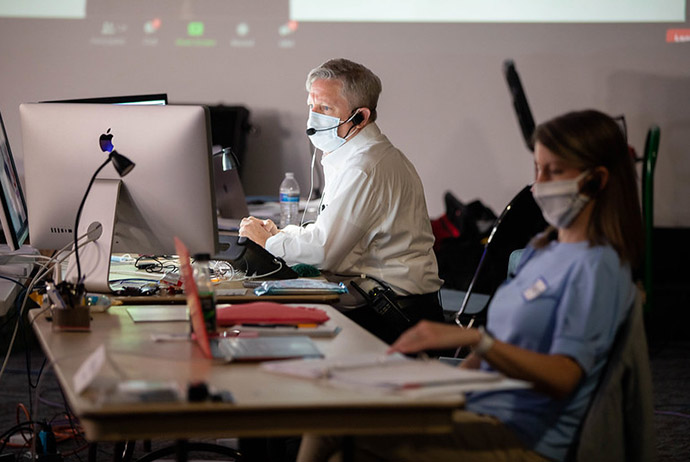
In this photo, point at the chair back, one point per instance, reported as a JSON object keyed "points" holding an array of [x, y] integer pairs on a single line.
{"points": [[619, 424], [520, 220]]}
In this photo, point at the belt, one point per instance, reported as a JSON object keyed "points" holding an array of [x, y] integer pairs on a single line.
{"points": [[411, 300]]}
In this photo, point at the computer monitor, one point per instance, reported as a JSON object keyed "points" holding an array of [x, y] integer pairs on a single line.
{"points": [[14, 217], [169, 192], [155, 99]]}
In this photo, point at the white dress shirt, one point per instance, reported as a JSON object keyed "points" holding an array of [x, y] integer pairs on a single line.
{"points": [[373, 219]]}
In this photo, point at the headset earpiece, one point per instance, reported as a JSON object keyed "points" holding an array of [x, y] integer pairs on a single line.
{"points": [[592, 185], [358, 119]]}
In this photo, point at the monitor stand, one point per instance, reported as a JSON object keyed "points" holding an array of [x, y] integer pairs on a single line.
{"points": [[99, 208]]}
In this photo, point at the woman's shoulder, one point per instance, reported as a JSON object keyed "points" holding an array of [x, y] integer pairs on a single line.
{"points": [[577, 256], [601, 260]]}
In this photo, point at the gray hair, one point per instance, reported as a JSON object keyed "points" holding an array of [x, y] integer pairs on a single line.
{"points": [[361, 87]]}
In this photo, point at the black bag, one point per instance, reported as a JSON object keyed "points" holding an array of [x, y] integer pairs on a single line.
{"points": [[460, 235], [458, 257]]}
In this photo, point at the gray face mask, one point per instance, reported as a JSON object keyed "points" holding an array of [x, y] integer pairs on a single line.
{"points": [[560, 201]]}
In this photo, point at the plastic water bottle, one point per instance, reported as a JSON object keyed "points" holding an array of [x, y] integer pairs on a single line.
{"points": [[204, 285], [289, 201]]}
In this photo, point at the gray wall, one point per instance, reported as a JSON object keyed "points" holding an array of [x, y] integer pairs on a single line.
{"points": [[444, 103]]}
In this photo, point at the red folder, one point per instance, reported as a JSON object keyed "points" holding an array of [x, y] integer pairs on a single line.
{"points": [[268, 313]]}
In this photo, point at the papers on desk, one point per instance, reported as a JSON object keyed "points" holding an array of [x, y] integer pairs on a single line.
{"points": [[387, 372], [158, 313]]}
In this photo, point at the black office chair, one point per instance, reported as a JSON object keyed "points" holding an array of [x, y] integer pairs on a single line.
{"points": [[520, 220]]}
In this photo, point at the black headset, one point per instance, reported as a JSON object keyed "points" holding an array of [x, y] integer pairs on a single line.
{"points": [[358, 118], [592, 186]]}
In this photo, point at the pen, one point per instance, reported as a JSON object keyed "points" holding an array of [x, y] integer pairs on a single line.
{"points": [[54, 296]]}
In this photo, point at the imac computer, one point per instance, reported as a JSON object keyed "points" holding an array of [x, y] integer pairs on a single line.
{"points": [[15, 222], [168, 194], [230, 197]]}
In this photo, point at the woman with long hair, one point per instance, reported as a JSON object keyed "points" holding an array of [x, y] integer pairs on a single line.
{"points": [[553, 323]]}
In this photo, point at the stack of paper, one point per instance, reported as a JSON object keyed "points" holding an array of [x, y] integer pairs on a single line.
{"points": [[393, 372]]}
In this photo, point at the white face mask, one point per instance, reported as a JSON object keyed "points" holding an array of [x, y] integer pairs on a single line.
{"points": [[326, 138], [560, 201]]}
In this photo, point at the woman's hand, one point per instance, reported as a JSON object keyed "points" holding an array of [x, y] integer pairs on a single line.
{"points": [[427, 335], [472, 361], [555, 375]]}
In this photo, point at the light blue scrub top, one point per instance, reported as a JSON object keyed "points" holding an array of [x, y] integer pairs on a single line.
{"points": [[567, 299]]}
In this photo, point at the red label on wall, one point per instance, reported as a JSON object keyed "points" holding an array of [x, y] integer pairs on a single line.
{"points": [[677, 35]]}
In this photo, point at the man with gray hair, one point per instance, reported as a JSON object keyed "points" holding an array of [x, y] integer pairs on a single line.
{"points": [[373, 218]]}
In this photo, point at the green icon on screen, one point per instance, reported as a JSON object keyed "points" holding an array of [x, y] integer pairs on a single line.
{"points": [[195, 29]]}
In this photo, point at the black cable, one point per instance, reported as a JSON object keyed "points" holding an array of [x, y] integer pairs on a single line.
{"points": [[19, 301], [68, 413], [27, 359], [9, 318], [75, 432], [20, 284], [76, 222], [156, 265], [38, 374]]}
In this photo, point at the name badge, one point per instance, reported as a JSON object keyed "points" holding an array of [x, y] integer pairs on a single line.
{"points": [[538, 288]]}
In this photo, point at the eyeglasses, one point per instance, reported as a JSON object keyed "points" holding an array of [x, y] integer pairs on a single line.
{"points": [[620, 120]]}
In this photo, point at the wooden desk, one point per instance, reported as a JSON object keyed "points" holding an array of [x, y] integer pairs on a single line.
{"points": [[266, 404]]}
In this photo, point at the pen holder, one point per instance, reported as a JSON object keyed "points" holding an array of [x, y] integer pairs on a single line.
{"points": [[71, 319]]}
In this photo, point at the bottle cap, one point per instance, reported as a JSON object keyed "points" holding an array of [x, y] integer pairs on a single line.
{"points": [[202, 257]]}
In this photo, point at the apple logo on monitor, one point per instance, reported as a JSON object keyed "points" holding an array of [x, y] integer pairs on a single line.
{"points": [[106, 141]]}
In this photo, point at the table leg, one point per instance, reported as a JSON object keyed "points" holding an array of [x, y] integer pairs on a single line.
{"points": [[348, 449]]}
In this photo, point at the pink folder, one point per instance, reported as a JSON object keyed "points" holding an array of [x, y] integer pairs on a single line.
{"points": [[269, 313]]}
